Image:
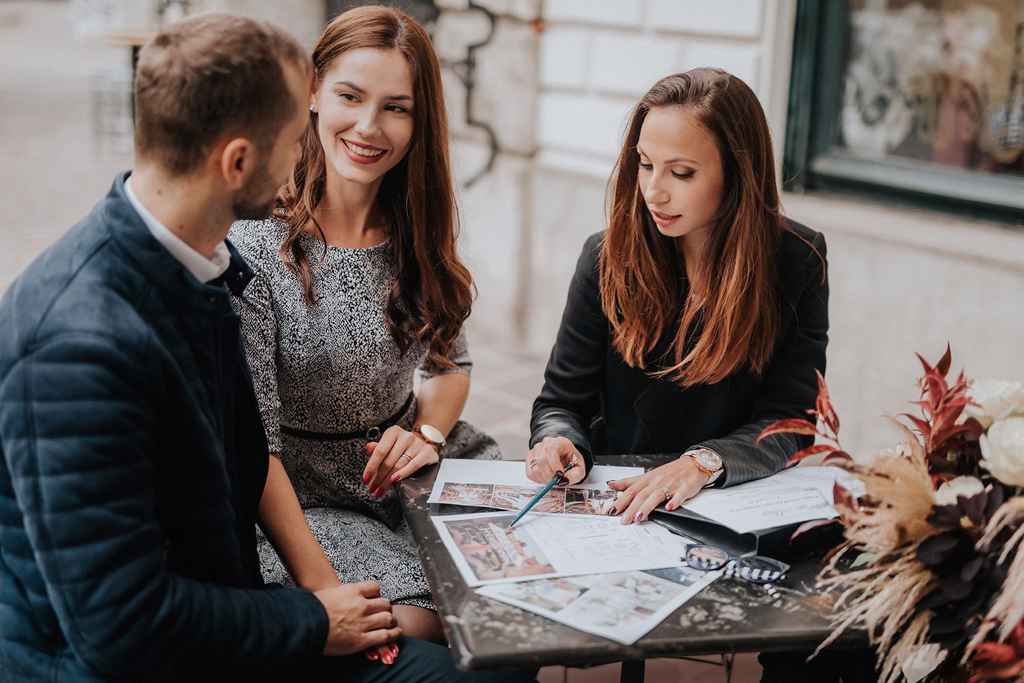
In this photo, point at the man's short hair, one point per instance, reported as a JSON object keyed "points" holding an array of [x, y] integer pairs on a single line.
{"points": [[209, 76]]}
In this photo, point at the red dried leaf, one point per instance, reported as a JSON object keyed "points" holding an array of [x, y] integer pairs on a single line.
{"points": [[923, 428], [843, 498], [807, 526], [824, 406], [790, 426], [944, 362], [838, 456], [816, 449], [997, 673], [935, 389], [924, 363]]}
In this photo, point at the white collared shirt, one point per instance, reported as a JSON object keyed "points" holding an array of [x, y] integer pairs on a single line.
{"points": [[204, 269]]}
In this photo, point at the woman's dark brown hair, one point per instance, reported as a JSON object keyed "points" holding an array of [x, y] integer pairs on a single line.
{"points": [[433, 294], [732, 322]]}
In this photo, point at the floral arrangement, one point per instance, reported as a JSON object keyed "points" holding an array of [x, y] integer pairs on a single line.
{"points": [[932, 562]]}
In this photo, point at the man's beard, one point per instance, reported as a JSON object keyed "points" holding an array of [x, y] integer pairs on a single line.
{"points": [[256, 200]]}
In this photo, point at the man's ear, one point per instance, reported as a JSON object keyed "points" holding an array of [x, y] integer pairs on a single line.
{"points": [[237, 162]]}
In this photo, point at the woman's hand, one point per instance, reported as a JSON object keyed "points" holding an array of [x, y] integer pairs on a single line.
{"points": [[674, 482], [555, 454], [397, 455], [386, 654]]}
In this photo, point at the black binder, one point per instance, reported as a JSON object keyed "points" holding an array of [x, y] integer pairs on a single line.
{"points": [[772, 542]]}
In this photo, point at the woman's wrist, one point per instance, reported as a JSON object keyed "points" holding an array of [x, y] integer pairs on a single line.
{"points": [[318, 581], [707, 462], [430, 435]]}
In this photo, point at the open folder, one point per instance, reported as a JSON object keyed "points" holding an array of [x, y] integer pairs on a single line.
{"points": [[757, 516], [771, 542]]}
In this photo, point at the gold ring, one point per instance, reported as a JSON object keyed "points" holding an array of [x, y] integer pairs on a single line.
{"points": [[406, 456], [668, 493]]}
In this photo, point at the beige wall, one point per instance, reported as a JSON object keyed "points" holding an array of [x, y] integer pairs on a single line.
{"points": [[902, 280]]}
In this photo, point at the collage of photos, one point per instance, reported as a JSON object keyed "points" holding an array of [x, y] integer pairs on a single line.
{"points": [[623, 606], [577, 501], [486, 550], [494, 552]]}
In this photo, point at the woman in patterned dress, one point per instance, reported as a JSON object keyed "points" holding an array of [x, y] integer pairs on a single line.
{"points": [[358, 288]]}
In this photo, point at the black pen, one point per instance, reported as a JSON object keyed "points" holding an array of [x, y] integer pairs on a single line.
{"points": [[555, 481]]}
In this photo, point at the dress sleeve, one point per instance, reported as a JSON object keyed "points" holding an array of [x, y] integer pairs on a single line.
{"points": [[459, 355], [259, 332]]}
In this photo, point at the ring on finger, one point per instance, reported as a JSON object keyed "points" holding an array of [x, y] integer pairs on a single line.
{"points": [[668, 493], [406, 456]]}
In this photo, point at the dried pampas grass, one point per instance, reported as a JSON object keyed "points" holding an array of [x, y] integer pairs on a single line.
{"points": [[887, 526]]}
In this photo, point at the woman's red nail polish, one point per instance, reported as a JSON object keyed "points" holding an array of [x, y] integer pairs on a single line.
{"points": [[366, 478], [394, 478]]}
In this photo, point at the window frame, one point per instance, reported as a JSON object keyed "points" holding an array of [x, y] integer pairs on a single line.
{"points": [[811, 162]]}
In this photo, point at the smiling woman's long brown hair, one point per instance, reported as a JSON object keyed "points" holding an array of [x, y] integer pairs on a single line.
{"points": [[433, 293], [733, 323]]}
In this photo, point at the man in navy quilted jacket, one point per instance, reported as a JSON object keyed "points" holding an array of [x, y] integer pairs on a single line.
{"points": [[133, 453]]}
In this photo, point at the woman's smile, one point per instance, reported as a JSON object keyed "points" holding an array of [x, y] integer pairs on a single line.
{"points": [[362, 153]]}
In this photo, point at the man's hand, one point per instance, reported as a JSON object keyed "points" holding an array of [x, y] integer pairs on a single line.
{"points": [[358, 618], [555, 454]]}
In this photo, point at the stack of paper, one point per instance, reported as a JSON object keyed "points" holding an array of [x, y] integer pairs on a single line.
{"points": [[546, 564]]}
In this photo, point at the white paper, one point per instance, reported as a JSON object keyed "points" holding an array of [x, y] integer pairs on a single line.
{"points": [[542, 545], [799, 494], [623, 606], [503, 485]]}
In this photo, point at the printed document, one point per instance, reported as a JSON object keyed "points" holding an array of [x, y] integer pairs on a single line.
{"points": [[544, 545], [623, 606], [799, 494], [503, 485]]}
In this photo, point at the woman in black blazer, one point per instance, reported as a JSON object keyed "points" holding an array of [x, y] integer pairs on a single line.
{"points": [[697, 318]]}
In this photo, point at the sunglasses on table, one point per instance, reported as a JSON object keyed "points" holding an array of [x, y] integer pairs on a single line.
{"points": [[753, 568]]}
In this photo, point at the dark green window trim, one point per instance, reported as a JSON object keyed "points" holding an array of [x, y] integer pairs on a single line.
{"points": [[812, 162]]}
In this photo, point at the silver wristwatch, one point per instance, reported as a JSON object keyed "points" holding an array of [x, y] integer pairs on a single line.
{"points": [[432, 435], [708, 462]]}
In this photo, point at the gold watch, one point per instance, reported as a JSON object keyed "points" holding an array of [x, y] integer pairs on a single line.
{"points": [[708, 462], [432, 435]]}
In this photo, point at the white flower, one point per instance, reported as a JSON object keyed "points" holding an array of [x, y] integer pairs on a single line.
{"points": [[1002, 450], [961, 486], [922, 661], [997, 400]]}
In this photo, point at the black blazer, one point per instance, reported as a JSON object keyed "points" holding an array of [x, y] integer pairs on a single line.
{"points": [[602, 405]]}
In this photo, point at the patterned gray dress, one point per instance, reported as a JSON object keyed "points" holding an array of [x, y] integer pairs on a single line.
{"points": [[334, 368]]}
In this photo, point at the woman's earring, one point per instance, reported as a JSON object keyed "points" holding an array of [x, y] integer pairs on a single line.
{"points": [[312, 109]]}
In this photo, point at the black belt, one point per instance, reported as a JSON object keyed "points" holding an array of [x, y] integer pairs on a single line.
{"points": [[370, 434]]}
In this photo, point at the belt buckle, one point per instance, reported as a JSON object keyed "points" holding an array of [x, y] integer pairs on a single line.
{"points": [[373, 434]]}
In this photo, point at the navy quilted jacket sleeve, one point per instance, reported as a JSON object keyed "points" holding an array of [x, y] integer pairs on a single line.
{"points": [[75, 456]]}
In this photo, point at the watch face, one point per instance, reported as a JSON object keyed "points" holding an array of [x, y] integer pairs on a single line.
{"points": [[433, 434], [709, 459]]}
